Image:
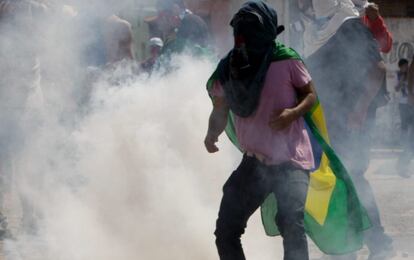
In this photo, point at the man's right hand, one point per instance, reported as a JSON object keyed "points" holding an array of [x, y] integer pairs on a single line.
{"points": [[372, 11], [210, 143]]}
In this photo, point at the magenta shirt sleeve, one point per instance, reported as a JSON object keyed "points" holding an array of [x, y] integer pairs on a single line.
{"points": [[299, 74]]}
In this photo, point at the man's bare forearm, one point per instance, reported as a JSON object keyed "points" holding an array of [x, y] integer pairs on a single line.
{"points": [[218, 121], [307, 98], [218, 118], [306, 104], [216, 124]]}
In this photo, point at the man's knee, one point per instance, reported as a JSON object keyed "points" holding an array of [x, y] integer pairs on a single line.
{"points": [[291, 223]]}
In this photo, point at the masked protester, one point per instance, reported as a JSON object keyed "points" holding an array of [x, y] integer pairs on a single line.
{"points": [[267, 98]]}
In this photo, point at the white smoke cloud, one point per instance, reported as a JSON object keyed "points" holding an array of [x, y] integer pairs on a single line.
{"points": [[112, 171], [132, 180]]}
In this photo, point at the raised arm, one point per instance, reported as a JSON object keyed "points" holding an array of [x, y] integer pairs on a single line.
{"points": [[377, 26]]}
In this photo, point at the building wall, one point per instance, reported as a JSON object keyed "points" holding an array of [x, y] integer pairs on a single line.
{"points": [[396, 8]]}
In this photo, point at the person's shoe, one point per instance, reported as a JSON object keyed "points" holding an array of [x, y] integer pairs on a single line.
{"points": [[385, 253]]}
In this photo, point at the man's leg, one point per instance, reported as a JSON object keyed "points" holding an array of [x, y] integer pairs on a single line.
{"points": [[375, 237], [357, 163], [243, 193], [291, 187]]}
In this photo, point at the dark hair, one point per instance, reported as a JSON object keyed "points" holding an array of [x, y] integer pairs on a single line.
{"points": [[402, 62]]}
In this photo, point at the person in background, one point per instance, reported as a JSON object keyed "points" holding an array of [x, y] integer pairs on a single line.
{"points": [[178, 27], [373, 20], [322, 18], [407, 119], [217, 14], [155, 46], [118, 39], [105, 38], [338, 36]]}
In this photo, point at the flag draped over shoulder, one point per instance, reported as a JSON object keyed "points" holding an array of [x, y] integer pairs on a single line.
{"points": [[334, 217]]}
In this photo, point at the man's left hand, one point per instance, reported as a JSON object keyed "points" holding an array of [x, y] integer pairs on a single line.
{"points": [[281, 119]]}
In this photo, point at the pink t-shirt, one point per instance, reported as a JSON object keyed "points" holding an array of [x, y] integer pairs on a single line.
{"points": [[254, 133]]}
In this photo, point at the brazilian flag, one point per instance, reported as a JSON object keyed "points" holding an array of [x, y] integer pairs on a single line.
{"points": [[334, 217]]}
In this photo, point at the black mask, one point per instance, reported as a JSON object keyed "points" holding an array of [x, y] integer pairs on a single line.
{"points": [[243, 71]]}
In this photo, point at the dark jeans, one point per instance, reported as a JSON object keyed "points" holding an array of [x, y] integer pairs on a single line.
{"points": [[245, 191]]}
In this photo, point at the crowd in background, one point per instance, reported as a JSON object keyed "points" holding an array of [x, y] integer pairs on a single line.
{"points": [[51, 53]]}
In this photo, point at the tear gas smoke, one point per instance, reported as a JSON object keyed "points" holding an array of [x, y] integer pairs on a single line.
{"points": [[124, 177]]}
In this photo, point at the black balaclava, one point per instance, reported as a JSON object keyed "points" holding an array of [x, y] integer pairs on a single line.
{"points": [[243, 71]]}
